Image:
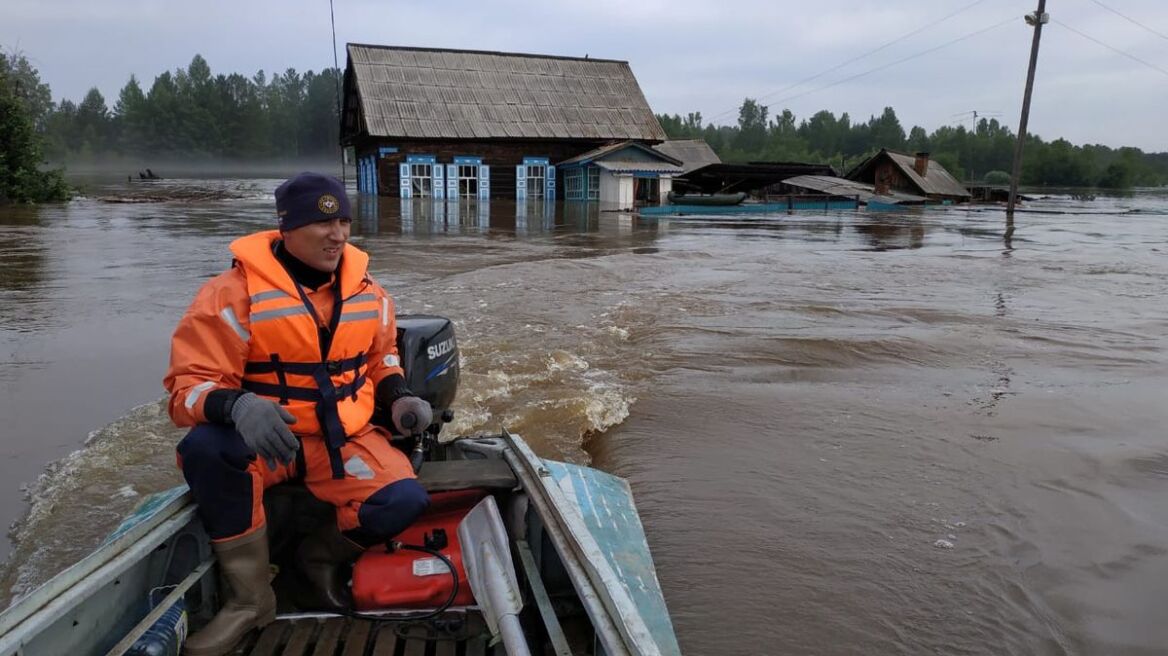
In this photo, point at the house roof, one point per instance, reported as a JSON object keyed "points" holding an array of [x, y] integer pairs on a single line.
{"points": [[937, 181], [693, 153], [612, 148], [640, 167], [843, 187], [465, 94]]}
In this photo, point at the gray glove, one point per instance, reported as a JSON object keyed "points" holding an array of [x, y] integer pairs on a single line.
{"points": [[263, 425], [410, 415]]}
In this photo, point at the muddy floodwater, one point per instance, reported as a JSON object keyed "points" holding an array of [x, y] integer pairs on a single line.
{"points": [[846, 433]]}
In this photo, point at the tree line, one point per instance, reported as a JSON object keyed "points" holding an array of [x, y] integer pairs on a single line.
{"points": [[984, 153], [194, 113]]}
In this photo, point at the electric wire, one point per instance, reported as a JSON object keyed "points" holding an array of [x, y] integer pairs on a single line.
{"points": [[899, 61], [1131, 20], [337, 80], [1112, 48], [857, 57]]}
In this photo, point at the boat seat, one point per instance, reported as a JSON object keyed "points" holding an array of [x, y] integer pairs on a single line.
{"points": [[446, 475]]}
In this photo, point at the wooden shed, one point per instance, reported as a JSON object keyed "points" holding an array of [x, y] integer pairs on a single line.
{"points": [[889, 170], [452, 124]]}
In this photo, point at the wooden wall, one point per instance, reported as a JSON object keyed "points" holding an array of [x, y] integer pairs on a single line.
{"points": [[501, 156]]}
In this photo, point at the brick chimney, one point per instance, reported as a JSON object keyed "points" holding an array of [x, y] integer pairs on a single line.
{"points": [[921, 164]]}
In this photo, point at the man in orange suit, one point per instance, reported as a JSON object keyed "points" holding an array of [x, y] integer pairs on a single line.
{"points": [[277, 366]]}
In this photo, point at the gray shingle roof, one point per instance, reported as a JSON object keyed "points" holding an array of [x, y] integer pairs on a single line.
{"points": [[608, 149], [844, 187], [695, 153], [640, 167], [463, 94], [937, 181]]}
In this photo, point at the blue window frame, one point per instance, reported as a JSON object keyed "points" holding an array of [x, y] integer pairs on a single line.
{"points": [[419, 175], [535, 178]]}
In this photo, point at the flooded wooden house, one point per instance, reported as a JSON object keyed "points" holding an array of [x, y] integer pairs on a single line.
{"points": [[451, 124], [892, 171]]}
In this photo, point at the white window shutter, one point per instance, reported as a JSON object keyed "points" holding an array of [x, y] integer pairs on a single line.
{"points": [[439, 185], [405, 180]]}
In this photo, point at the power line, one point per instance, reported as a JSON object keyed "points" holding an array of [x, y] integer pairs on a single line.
{"points": [[900, 61], [1131, 20], [857, 57], [337, 83], [1113, 48]]}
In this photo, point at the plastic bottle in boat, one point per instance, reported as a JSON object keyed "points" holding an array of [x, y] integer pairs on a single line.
{"points": [[166, 636]]}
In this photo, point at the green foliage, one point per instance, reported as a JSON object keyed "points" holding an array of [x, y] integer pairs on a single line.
{"points": [[193, 113], [997, 178], [986, 150], [21, 99]]}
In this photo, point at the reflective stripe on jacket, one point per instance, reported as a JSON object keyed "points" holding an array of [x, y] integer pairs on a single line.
{"points": [[321, 381], [254, 328]]}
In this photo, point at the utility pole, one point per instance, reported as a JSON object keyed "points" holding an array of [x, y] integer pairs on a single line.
{"points": [[1037, 19]]}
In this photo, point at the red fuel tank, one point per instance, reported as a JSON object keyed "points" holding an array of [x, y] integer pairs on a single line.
{"points": [[413, 579]]}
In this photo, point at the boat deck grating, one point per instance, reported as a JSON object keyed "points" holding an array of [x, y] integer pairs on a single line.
{"points": [[341, 636]]}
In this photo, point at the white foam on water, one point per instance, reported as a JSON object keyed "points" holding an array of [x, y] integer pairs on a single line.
{"points": [[80, 498]]}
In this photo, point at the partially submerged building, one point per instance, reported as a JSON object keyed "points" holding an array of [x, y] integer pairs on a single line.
{"points": [[431, 123], [834, 187], [757, 178], [917, 175], [693, 153], [623, 174]]}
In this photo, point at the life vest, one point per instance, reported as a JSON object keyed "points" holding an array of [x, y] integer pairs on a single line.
{"points": [[327, 392]]}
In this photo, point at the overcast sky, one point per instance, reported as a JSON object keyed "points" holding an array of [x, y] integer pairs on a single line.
{"points": [[689, 55]]}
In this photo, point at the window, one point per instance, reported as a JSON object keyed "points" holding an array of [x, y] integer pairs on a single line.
{"points": [[646, 190], [468, 181], [593, 183], [535, 180], [574, 184], [422, 180]]}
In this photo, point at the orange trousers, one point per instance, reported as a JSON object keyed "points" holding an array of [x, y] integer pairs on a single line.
{"points": [[370, 483]]}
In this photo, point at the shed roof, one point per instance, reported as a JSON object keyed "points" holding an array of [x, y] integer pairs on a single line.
{"points": [[731, 178], [937, 180], [611, 149], [844, 187], [467, 94], [693, 153], [639, 167]]}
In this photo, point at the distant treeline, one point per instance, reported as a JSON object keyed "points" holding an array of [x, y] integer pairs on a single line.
{"points": [[193, 113], [986, 152]]}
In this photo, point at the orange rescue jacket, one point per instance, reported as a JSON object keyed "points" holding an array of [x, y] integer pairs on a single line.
{"points": [[254, 328]]}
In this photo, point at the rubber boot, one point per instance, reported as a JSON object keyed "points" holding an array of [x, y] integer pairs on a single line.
{"points": [[323, 558], [248, 598]]}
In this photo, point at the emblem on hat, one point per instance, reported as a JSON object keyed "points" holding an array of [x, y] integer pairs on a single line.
{"points": [[328, 204]]}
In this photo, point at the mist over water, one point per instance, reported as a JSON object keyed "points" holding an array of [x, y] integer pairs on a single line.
{"points": [[845, 433]]}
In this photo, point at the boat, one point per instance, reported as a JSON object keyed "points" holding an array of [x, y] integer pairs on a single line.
{"points": [[553, 553], [706, 199]]}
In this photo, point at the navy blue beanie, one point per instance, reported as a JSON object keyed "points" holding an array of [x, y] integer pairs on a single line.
{"points": [[311, 197]]}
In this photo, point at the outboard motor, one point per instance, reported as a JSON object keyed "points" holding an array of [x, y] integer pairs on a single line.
{"points": [[429, 355]]}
